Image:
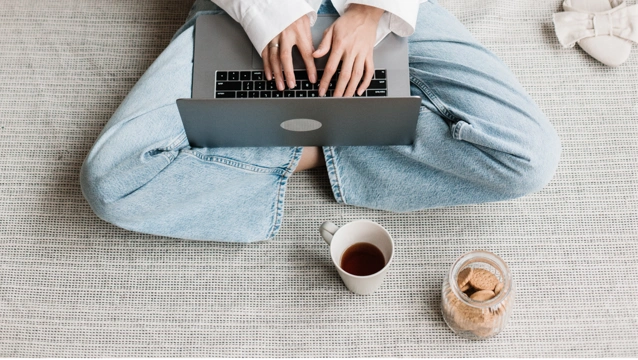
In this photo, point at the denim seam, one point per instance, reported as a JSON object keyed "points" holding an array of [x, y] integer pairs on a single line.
{"points": [[436, 101], [167, 151], [235, 163], [281, 192], [333, 175]]}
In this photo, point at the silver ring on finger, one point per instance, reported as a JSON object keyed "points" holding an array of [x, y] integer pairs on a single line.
{"points": [[275, 45]]}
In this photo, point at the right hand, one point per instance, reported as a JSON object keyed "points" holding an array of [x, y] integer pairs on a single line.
{"points": [[277, 57], [351, 41]]}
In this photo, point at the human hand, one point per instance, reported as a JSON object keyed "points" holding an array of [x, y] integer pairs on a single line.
{"points": [[352, 38], [278, 54]]}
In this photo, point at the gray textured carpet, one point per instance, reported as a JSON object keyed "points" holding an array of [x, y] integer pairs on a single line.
{"points": [[73, 285]]}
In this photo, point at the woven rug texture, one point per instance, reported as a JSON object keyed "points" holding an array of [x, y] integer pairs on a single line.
{"points": [[72, 285]]}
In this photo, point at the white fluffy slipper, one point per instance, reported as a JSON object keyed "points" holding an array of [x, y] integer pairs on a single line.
{"points": [[605, 29]]}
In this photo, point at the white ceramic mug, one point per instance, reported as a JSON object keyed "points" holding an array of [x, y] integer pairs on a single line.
{"points": [[341, 238]]}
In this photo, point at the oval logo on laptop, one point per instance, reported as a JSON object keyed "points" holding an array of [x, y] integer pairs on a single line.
{"points": [[301, 125]]}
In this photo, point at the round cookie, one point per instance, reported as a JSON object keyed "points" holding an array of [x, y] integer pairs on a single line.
{"points": [[482, 295], [483, 280], [464, 277]]}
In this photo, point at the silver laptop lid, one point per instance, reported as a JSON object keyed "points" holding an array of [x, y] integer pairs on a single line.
{"points": [[300, 122]]}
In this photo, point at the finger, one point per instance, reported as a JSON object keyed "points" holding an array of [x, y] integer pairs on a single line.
{"points": [[265, 56], [329, 71], [344, 76], [285, 56], [357, 73], [276, 67], [306, 49], [325, 44], [367, 77]]}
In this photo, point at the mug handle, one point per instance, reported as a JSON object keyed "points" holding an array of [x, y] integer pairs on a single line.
{"points": [[327, 231]]}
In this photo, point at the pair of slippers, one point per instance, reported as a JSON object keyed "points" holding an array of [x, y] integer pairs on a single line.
{"points": [[605, 29]]}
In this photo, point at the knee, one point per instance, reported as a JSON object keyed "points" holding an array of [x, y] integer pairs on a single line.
{"points": [[95, 192], [107, 179], [108, 193], [108, 186], [537, 170]]}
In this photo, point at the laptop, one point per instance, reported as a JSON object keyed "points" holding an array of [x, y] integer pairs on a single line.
{"points": [[233, 105]]}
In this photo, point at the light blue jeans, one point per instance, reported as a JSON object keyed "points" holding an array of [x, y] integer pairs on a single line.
{"points": [[480, 138]]}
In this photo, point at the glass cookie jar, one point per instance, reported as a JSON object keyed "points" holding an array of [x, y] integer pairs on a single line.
{"points": [[477, 295]]}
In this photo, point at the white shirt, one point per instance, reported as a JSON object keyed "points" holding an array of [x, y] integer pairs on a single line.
{"points": [[264, 19]]}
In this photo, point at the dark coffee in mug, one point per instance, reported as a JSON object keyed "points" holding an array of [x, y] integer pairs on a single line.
{"points": [[362, 259]]}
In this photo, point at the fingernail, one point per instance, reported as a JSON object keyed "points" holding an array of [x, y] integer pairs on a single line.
{"points": [[280, 85]]}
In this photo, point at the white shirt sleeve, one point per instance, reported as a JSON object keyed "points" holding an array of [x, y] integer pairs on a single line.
{"points": [[264, 19], [400, 15]]}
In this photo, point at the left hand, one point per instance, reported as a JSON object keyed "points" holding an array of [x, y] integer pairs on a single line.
{"points": [[278, 54], [351, 37]]}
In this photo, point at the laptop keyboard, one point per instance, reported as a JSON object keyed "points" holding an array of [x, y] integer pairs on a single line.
{"points": [[253, 84]]}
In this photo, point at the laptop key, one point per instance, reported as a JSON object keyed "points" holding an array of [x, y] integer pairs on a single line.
{"points": [[260, 85], [225, 95], [289, 94], [228, 85], [278, 94], [242, 94], [378, 84], [377, 92], [264, 94], [301, 93], [258, 75], [253, 94], [247, 85], [271, 85], [313, 93], [306, 85], [379, 74], [301, 75], [244, 75], [233, 75], [222, 75]]}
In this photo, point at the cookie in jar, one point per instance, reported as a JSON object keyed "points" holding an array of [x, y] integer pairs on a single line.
{"points": [[477, 295]]}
